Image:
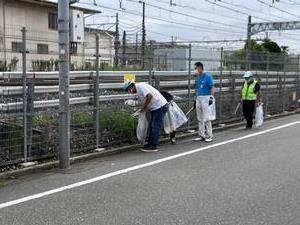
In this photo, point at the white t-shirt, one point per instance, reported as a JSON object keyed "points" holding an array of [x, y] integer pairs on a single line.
{"points": [[157, 101]]}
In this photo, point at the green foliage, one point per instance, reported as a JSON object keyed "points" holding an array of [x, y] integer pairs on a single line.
{"points": [[82, 119], [45, 65], [118, 122], [270, 46], [12, 66], [258, 56], [45, 120], [108, 67]]}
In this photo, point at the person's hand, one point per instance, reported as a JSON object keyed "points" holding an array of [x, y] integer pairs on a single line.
{"points": [[211, 100], [258, 102], [136, 114]]}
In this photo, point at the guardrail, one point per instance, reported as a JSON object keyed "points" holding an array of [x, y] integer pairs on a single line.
{"points": [[182, 85]]}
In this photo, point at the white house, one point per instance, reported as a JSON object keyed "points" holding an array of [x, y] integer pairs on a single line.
{"points": [[39, 17]]}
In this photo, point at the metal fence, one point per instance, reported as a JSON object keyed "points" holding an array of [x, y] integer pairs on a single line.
{"points": [[100, 116]]}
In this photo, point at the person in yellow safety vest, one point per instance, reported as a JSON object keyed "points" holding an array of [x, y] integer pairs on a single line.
{"points": [[250, 94]]}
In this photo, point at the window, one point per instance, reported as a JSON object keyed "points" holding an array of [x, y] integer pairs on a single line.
{"points": [[73, 48], [16, 47], [52, 21], [42, 49]]}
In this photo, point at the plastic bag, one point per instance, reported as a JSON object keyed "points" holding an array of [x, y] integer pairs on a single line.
{"points": [[174, 118], [142, 128], [259, 116], [205, 112], [211, 112]]}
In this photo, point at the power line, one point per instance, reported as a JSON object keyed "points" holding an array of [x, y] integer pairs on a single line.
{"points": [[196, 27], [192, 8], [187, 15], [236, 11], [272, 6], [249, 9]]}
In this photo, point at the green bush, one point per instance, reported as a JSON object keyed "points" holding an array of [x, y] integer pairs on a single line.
{"points": [[115, 122], [118, 122], [45, 120], [82, 119]]}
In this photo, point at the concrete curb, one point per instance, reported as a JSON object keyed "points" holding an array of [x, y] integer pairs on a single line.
{"points": [[80, 158]]}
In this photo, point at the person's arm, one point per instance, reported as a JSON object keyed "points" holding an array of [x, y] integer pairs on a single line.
{"points": [[212, 90], [148, 99]]}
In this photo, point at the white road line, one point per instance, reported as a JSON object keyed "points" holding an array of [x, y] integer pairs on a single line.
{"points": [[127, 170]]}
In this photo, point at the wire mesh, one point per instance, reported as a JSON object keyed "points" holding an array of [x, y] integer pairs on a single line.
{"points": [[166, 66]]}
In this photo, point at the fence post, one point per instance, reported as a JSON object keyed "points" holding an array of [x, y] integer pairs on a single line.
{"points": [[189, 81], [233, 87], [96, 94], [298, 80], [267, 84], [24, 84], [150, 58], [190, 75], [221, 83], [284, 83], [30, 113]]}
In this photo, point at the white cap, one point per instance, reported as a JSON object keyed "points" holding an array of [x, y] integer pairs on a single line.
{"points": [[248, 74]]}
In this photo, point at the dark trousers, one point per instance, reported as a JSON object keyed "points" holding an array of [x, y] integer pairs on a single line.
{"points": [[155, 125], [248, 111]]}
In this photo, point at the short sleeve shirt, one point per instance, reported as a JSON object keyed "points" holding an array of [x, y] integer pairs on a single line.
{"points": [[143, 89], [204, 84]]}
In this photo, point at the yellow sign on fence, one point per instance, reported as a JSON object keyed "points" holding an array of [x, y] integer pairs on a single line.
{"points": [[129, 77]]}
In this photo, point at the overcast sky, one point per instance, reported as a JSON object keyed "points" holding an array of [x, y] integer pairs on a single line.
{"points": [[198, 20]]}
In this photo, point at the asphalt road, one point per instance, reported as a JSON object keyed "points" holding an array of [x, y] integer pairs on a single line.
{"points": [[243, 177]]}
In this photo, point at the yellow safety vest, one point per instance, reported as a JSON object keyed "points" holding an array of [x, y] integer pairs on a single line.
{"points": [[248, 91]]}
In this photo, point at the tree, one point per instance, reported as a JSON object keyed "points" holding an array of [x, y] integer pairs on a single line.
{"points": [[237, 59]]}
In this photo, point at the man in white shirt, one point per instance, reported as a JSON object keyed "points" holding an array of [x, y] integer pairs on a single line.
{"points": [[154, 102]]}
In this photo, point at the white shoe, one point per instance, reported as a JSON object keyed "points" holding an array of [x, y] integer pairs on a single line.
{"points": [[208, 140], [151, 149], [199, 139]]}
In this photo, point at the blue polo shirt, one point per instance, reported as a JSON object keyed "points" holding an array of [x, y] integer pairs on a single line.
{"points": [[204, 84]]}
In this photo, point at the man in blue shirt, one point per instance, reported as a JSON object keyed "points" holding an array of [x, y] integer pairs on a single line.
{"points": [[205, 103]]}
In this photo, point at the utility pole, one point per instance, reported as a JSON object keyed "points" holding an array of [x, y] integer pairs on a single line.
{"points": [[248, 45], [143, 37], [64, 68], [136, 47], [116, 61], [124, 49]]}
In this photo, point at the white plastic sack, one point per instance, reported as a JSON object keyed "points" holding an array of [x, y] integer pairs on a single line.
{"points": [[174, 118], [142, 128], [259, 116], [211, 112], [205, 112]]}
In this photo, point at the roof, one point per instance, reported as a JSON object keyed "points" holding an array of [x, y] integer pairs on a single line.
{"points": [[94, 30], [53, 3]]}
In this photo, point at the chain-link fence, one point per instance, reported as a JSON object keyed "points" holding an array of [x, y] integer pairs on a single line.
{"points": [[29, 120]]}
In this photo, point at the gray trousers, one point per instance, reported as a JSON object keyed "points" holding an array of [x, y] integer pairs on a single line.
{"points": [[205, 127]]}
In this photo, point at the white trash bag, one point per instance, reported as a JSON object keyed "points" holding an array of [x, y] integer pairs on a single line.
{"points": [[259, 115], [142, 127], [210, 111], [174, 118]]}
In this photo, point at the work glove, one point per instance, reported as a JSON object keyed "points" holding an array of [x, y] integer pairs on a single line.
{"points": [[211, 100]]}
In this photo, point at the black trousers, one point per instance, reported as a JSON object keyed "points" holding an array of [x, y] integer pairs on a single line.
{"points": [[248, 111]]}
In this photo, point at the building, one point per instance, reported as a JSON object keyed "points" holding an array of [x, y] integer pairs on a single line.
{"points": [[176, 58], [39, 17]]}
